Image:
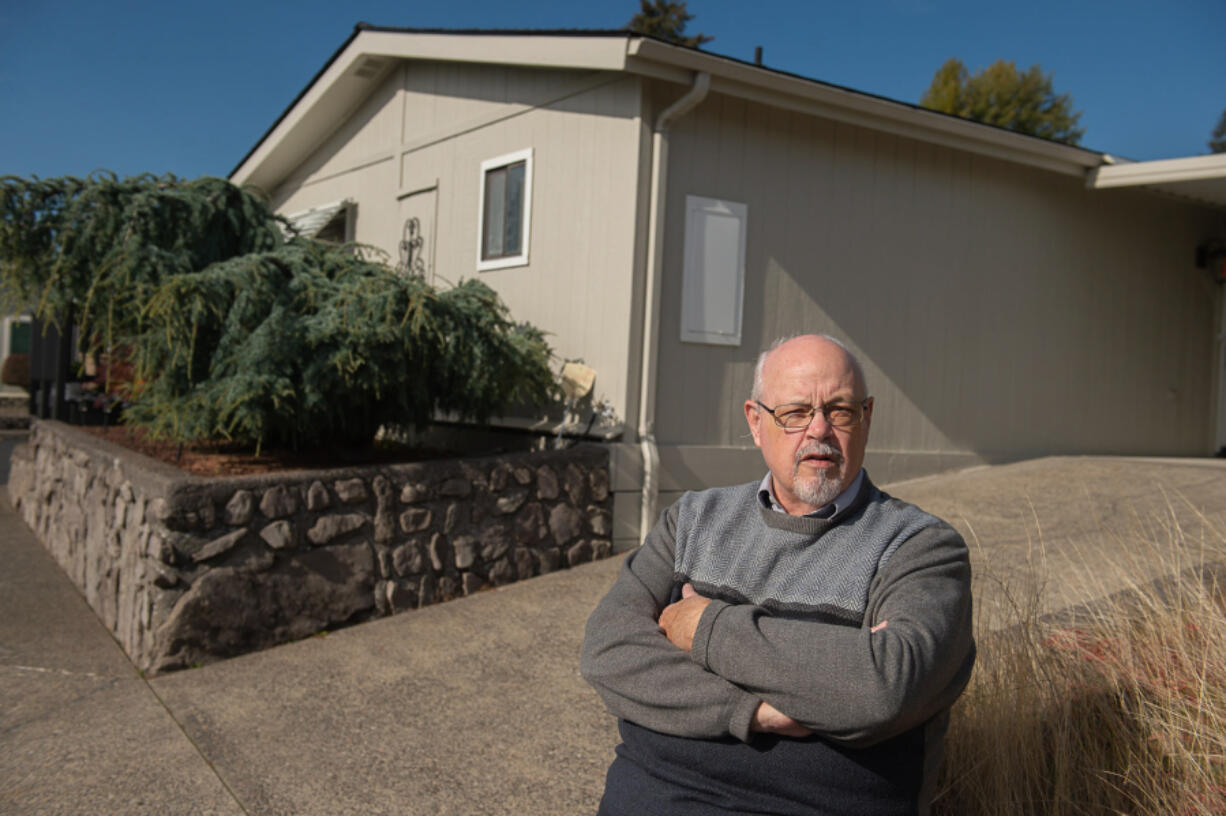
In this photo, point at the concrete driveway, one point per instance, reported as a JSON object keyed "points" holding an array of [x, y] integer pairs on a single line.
{"points": [[476, 706]]}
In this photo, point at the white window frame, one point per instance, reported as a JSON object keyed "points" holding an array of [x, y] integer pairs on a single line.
{"points": [[493, 164], [724, 273]]}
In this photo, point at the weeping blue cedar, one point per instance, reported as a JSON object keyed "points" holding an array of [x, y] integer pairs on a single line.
{"points": [[240, 334]]}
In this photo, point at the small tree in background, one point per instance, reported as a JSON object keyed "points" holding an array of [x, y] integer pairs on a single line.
{"points": [[237, 333], [1022, 101], [666, 19], [1217, 139]]}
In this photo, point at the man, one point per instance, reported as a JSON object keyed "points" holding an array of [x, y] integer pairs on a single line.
{"points": [[791, 646]]}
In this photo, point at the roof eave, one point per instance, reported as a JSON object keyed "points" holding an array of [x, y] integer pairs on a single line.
{"points": [[369, 53], [750, 81]]}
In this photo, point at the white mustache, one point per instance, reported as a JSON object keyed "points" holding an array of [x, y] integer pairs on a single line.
{"points": [[819, 449]]}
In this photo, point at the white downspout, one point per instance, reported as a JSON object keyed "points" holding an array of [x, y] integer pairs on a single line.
{"points": [[651, 296]]}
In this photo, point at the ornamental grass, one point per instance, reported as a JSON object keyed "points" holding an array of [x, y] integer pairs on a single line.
{"points": [[1115, 707]]}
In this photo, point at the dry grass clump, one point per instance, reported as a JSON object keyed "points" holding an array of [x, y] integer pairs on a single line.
{"points": [[1114, 708]]}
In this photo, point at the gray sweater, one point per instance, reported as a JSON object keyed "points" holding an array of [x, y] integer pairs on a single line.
{"points": [[796, 599]]}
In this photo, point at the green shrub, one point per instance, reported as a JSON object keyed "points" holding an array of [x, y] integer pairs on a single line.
{"points": [[236, 333], [309, 345]]}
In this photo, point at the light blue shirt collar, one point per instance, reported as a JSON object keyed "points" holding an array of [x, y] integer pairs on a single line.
{"points": [[766, 494]]}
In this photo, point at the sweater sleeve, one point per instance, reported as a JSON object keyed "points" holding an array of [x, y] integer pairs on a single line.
{"points": [[852, 684], [639, 674]]}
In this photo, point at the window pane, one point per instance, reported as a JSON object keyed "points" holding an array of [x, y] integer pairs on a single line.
{"points": [[513, 228], [495, 213]]}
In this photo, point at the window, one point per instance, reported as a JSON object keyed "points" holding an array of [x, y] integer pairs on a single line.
{"points": [[506, 199], [713, 275]]}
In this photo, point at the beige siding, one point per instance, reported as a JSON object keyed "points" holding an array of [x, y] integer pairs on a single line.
{"points": [[440, 98], [1000, 311], [583, 129]]}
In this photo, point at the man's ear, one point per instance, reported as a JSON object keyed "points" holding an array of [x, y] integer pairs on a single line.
{"points": [[868, 415], [753, 416]]}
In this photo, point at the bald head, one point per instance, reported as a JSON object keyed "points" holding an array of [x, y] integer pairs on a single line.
{"points": [[813, 375], [820, 343]]}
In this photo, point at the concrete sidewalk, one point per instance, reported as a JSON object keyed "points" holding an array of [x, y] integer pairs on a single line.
{"points": [[474, 706]]}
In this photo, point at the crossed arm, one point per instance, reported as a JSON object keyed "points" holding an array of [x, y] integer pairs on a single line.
{"points": [[678, 622], [705, 668]]}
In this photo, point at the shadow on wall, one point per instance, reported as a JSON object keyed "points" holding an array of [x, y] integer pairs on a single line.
{"points": [[981, 295]]}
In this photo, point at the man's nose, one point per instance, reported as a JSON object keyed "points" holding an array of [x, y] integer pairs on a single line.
{"points": [[819, 427]]}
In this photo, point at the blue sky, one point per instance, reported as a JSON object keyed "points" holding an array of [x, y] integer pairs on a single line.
{"points": [[189, 88]]}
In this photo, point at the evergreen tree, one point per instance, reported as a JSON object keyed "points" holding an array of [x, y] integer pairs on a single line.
{"points": [[1022, 101], [666, 19], [1217, 139], [239, 333]]}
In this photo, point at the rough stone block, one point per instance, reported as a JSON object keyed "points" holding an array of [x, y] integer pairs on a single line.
{"points": [[407, 559], [159, 511], [162, 576], [415, 519], [465, 549], [525, 564], [240, 508], [278, 502], [401, 597], [565, 522], [599, 521], [384, 556], [385, 528], [546, 483], [448, 588], [495, 541], [383, 604], [455, 513], [471, 582], [279, 535], [522, 475], [498, 477], [350, 491], [425, 590], [598, 482], [548, 560], [162, 549], [440, 553], [382, 488], [512, 501], [530, 526], [580, 553], [317, 496], [575, 485], [502, 572], [228, 611], [328, 528], [219, 546], [412, 493]]}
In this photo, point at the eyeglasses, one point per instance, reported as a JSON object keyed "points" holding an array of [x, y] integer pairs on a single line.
{"points": [[795, 416]]}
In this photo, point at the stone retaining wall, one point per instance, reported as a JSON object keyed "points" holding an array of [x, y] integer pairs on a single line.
{"points": [[185, 570]]}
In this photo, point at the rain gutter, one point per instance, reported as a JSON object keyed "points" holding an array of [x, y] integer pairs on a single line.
{"points": [[651, 295]]}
